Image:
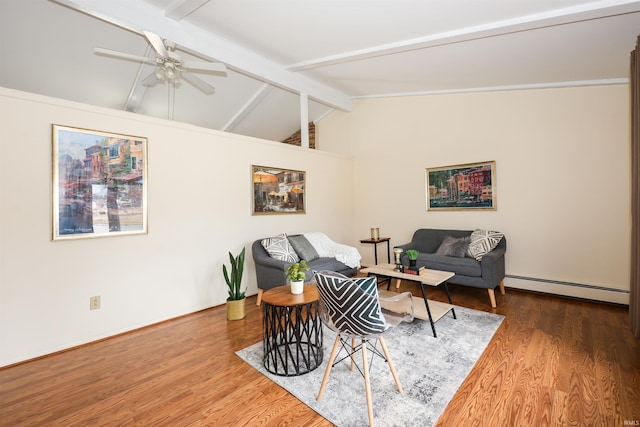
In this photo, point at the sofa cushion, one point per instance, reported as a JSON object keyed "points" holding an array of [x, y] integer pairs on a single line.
{"points": [[279, 247], [327, 264], [428, 240], [483, 242], [452, 246], [303, 248], [464, 266]]}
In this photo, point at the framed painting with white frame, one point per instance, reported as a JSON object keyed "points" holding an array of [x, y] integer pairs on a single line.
{"points": [[277, 191], [99, 184], [470, 186]]}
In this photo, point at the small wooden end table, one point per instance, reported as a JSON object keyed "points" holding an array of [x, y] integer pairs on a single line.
{"points": [[435, 310], [375, 242], [292, 331]]}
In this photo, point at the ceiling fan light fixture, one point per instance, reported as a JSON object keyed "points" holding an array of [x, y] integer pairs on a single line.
{"points": [[159, 74]]}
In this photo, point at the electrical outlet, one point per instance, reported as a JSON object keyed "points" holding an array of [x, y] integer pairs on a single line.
{"points": [[94, 303]]}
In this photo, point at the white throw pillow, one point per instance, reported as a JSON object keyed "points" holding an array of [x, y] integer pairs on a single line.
{"points": [[483, 242]]}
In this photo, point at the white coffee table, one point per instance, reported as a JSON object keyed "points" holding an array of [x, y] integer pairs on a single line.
{"points": [[430, 310]]}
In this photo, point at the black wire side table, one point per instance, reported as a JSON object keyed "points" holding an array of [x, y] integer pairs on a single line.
{"points": [[292, 331]]}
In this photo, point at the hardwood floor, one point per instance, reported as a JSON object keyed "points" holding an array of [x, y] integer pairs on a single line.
{"points": [[553, 361]]}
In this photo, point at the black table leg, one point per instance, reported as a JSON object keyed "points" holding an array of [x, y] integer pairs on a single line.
{"points": [[381, 279], [426, 303], [453, 310], [388, 253]]}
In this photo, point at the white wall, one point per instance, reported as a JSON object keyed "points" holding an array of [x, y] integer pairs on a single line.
{"points": [[199, 204], [563, 176]]}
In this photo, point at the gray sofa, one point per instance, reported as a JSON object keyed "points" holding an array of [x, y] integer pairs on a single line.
{"points": [[488, 273], [270, 272]]}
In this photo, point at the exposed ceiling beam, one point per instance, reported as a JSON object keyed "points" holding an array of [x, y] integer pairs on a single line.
{"points": [[583, 12], [181, 8], [246, 109], [138, 16]]}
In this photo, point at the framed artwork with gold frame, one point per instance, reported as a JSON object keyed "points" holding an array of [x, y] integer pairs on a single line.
{"points": [[277, 191], [470, 186], [99, 184]]}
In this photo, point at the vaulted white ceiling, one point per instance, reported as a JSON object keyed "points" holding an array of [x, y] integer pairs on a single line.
{"points": [[293, 60]]}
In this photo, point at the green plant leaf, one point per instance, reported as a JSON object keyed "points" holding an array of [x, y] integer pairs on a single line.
{"points": [[234, 279], [226, 275]]}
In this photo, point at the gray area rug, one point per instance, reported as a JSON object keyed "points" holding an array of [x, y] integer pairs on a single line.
{"points": [[430, 371]]}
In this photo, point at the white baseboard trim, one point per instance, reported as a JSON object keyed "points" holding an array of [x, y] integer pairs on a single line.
{"points": [[577, 290]]}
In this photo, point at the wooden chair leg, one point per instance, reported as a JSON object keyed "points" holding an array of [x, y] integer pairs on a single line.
{"points": [[492, 297], [502, 287], [334, 352], [259, 300], [390, 363], [367, 383]]}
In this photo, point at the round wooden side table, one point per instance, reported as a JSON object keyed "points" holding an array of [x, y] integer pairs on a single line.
{"points": [[292, 331]]}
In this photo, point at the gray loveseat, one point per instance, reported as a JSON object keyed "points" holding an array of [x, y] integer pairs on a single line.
{"points": [[270, 271], [488, 273]]}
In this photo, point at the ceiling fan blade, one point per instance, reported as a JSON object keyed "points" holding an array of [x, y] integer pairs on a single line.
{"points": [[157, 43], [122, 55], [198, 83], [216, 67], [150, 80]]}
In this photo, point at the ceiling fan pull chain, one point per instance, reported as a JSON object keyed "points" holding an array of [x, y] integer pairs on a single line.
{"points": [[173, 99], [171, 104]]}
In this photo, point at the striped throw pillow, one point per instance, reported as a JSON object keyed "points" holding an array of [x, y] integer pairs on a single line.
{"points": [[483, 242], [279, 247]]}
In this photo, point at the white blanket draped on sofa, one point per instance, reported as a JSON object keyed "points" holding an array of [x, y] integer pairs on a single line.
{"points": [[326, 247]]}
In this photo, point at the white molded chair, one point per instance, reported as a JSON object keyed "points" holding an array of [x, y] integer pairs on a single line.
{"points": [[353, 309]]}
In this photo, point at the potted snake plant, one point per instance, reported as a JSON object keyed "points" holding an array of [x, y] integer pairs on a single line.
{"points": [[236, 300]]}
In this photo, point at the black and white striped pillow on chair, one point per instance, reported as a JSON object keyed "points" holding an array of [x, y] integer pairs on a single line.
{"points": [[351, 306]]}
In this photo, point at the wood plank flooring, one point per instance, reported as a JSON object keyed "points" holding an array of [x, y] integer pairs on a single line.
{"points": [[552, 362]]}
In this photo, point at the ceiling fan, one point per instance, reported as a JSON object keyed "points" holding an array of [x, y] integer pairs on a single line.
{"points": [[169, 65]]}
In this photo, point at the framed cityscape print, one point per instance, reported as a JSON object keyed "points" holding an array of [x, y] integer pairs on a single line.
{"points": [[99, 184], [470, 186], [277, 191]]}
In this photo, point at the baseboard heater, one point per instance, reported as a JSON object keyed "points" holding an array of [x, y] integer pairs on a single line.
{"points": [[578, 290]]}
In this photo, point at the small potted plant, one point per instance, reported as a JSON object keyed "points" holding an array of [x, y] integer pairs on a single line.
{"points": [[295, 274], [236, 300], [412, 254]]}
